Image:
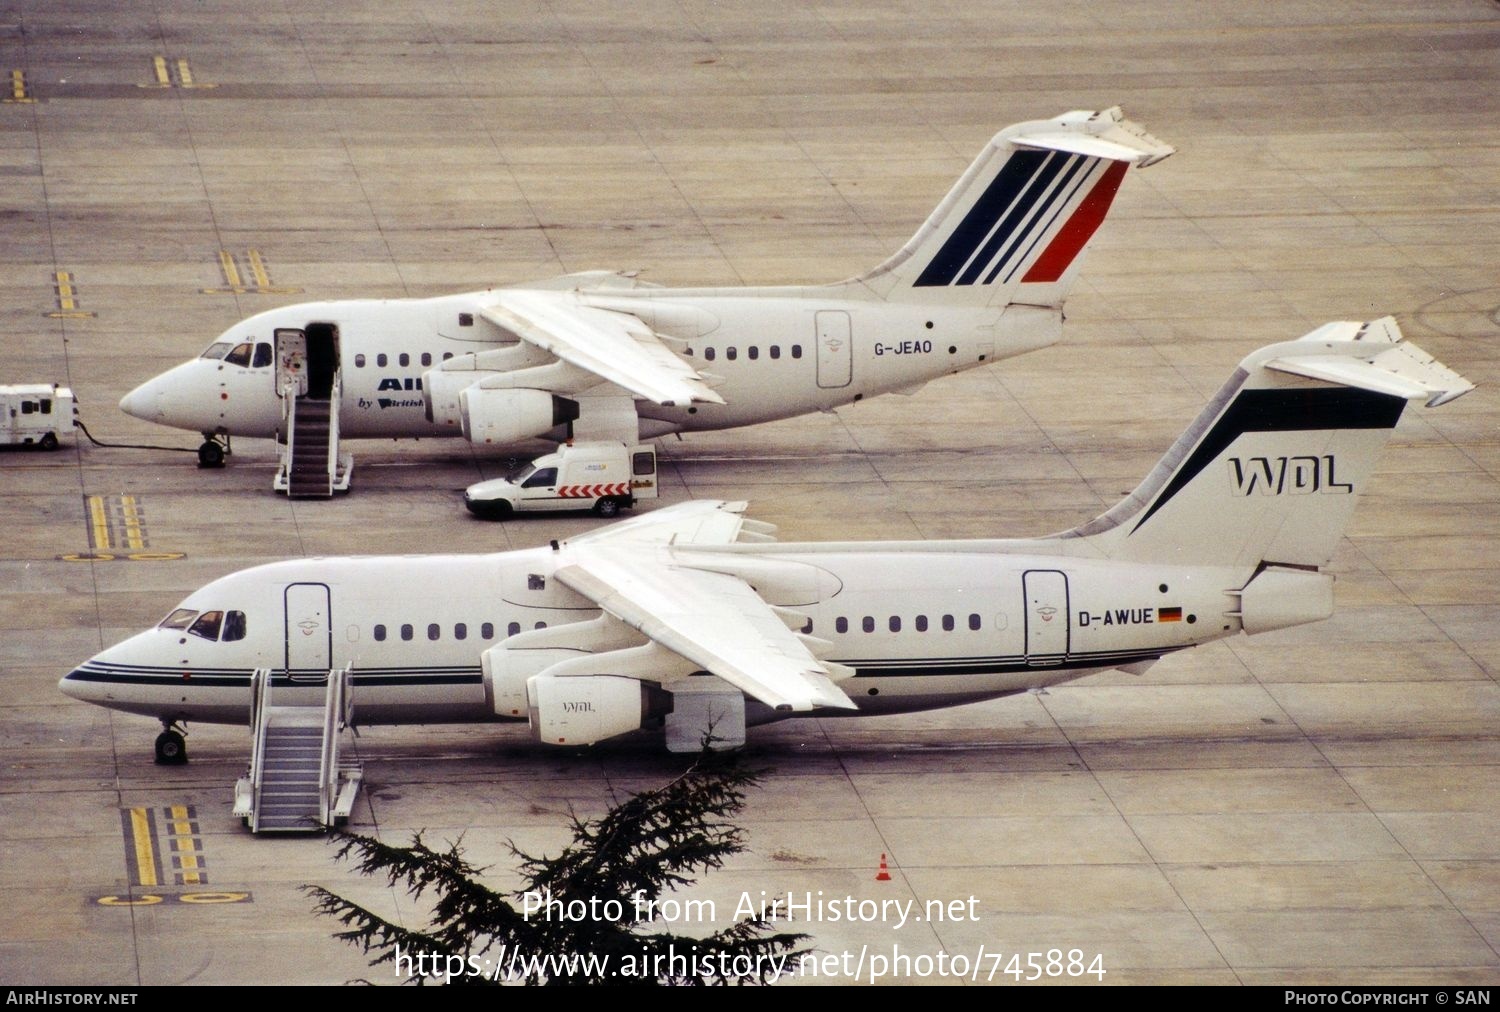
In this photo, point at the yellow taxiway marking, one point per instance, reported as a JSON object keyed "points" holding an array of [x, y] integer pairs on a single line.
{"points": [[188, 858], [98, 523], [234, 283], [145, 851], [162, 70], [67, 301], [18, 88], [135, 536]]}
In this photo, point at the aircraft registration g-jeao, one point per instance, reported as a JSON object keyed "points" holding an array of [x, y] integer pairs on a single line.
{"points": [[695, 619], [601, 356]]}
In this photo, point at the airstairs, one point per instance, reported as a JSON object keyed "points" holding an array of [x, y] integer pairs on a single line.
{"points": [[297, 783], [311, 465]]}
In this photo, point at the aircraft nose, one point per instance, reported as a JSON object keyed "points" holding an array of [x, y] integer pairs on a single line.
{"points": [[144, 402]]}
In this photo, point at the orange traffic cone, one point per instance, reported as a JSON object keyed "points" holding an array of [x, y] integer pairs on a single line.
{"points": [[883, 875]]}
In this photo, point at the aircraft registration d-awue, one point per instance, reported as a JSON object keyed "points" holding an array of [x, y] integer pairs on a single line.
{"points": [[694, 619], [603, 356]]}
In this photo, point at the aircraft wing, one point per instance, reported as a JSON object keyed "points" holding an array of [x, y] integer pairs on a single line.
{"points": [[712, 619], [615, 346], [697, 522]]}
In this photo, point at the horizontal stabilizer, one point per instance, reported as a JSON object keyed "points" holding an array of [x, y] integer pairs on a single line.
{"points": [[1107, 134], [1372, 357]]}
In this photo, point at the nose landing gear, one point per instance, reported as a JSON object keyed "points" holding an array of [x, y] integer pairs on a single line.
{"points": [[171, 745], [211, 453]]}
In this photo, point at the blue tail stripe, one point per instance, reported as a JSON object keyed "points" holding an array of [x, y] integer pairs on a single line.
{"points": [[1010, 181], [1011, 231], [1037, 234]]}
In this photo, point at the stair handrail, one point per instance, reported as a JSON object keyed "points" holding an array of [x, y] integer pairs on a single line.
{"points": [[336, 700], [335, 392], [260, 704]]}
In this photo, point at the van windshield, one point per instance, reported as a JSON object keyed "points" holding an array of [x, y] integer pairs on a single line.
{"points": [[520, 474]]}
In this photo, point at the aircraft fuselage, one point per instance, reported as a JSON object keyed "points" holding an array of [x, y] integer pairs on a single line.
{"points": [[922, 628]]}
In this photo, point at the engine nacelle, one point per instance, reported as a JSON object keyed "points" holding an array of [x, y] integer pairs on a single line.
{"points": [[1278, 598], [510, 416], [506, 673], [583, 709], [441, 389]]}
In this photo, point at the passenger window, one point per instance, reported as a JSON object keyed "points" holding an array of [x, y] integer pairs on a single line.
{"points": [[406, 632], [688, 352], [841, 624], [460, 631], [208, 625], [974, 622], [775, 351], [947, 623], [404, 359], [868, 625], [921, 623], [895, 624], [240, 355], [545, 477], [359, 360], [487, 631], [179, 619], [263, 355], [754, 353], [513, 628], [427, 358], [540, 625], [731, 354], [234, 626], [708, 354], [434, 631], [796, 351], [380, 634], [447, 355], [381, 360]]}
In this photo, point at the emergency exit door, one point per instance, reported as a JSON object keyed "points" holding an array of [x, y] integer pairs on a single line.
{"points": [[1046, 594], [309, 632], [835, 350]]}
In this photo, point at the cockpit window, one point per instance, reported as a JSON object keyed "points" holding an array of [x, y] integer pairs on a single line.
{"points": [[263, 356], [208, 625], [240, 355], [234, 626], [179, 619], [217, 350]]}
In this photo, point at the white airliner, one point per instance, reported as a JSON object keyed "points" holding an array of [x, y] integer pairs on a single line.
{"points": [[604, 356], [695, 615]]}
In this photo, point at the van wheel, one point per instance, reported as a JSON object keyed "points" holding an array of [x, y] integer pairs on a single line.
{"points": [[49, 441], [607, 507]]}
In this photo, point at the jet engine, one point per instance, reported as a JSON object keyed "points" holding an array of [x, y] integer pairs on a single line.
{"points": [[568, 708], [510, 416], [1277, 598]]}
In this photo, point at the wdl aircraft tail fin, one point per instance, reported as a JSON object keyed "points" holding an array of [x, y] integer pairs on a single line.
{"points": [[1014, 226], [1269, 473]]}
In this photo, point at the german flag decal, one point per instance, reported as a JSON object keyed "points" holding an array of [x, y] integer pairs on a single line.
{"points": [[1169, 614]]}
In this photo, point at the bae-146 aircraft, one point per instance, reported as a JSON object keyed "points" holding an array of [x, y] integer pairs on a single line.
{"points": [[695, 619], [602, 356]]}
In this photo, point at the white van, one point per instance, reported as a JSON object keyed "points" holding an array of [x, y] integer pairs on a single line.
{"points": [[604, 477], [36, 414]]}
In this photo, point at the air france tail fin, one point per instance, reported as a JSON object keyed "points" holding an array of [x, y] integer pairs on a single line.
{"points": [[1269, 473], [1014, 226]]}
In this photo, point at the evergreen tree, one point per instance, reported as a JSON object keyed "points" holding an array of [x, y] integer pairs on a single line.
{"points": [[617, 868]]}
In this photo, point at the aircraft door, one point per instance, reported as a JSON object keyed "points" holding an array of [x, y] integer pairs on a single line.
{"points": [[1046, 593], [309, 633], [291, 361], [835, 349]]}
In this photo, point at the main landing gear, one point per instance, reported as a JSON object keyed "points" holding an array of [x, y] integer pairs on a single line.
{"points": [[171, 745], [211, 453]]}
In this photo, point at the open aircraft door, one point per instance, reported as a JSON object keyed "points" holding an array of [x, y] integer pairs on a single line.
{"points": [[309, 633], [1047, 613]]}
